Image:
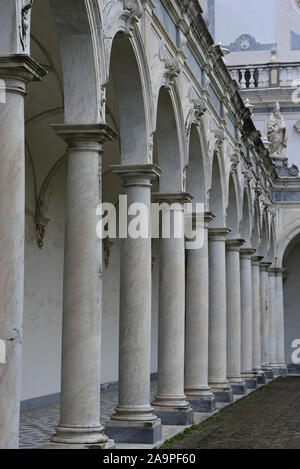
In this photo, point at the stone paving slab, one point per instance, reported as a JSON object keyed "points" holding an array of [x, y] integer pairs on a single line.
{"points": [[38, 425], [269, 418]]}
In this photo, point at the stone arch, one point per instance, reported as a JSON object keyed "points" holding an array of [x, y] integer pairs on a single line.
{"points": [[290, 233], [264, 239], [77, 23], [272, 244], [233, 206], [168, 142], [195, 171], [256, 229], [216, 195], [291, 296], [246, 221], [128, 90]]}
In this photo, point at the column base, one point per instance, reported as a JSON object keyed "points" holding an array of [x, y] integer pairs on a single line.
{"points": [[204, 404], [134, 432], [251, 383], [222, 391], [279, 370], [261, 378], [110, 444], [175, 416], [268, 372], [239, 389]]}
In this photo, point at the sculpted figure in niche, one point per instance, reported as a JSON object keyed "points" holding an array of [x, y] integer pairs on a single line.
{"points": [[277, 133]]}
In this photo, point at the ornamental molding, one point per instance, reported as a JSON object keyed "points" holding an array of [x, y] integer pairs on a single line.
{"points": [[196, 112], [133, 11], [24, 22], [171, 65]]}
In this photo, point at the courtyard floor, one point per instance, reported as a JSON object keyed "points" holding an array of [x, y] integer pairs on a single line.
{"points": [[266, 418]]}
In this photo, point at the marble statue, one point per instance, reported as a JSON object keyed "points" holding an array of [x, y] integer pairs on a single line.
{"points": [[277, 133]]}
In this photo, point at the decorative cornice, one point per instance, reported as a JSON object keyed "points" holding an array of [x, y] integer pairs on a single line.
{"points": [[172, 197], [22, 67], [138, 171], [234, 244], [97, 132], [247, 253], [264, 266]]}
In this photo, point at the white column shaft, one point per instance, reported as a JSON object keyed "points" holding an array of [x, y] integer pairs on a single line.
{"points": [[233, 310], [246, 313], [196, 322], [256, 311], [15, 73], [264, 304], [279, 319], [217, 361], [272, 319]]}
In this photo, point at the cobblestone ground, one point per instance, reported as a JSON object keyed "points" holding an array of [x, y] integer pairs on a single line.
{"points": [[267, 418], [37, 426]]}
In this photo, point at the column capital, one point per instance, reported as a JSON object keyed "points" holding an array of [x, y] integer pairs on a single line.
{"points": [[279, 270], [264, 266], [18, 68], [83, 134], [247, 253], [172, 197], [234, 244], [137, 171], [218, 234], [272, 271], [256, 260]]}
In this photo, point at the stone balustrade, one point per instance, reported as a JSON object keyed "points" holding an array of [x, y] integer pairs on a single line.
{"points": [[271, 75]]}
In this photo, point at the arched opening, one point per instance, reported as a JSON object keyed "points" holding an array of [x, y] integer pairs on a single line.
{"points": [[216, 199], [125, 112], [232, 210], [61, 41], [166, 145], [246, 219], [195, 174], [291, 294], [264, 241], [255, 237]]}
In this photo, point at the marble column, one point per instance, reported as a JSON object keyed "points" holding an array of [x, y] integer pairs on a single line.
{"points": [[15, 73], [280, 359], [134, 420], [217, 349], [170, 403], [79, 425], [246, 318], [196, 325], [264, 302], [272, 321], [256, 321], [233, 290]]}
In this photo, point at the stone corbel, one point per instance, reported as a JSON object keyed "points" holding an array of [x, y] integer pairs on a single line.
{"points": [[220, 138], [133, 11], [247, 175], [234, 159], [172, 65], [196, 112]]}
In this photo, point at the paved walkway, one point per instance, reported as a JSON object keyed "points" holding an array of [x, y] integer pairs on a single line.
{"points": [[37, 426], [268, 418]]}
